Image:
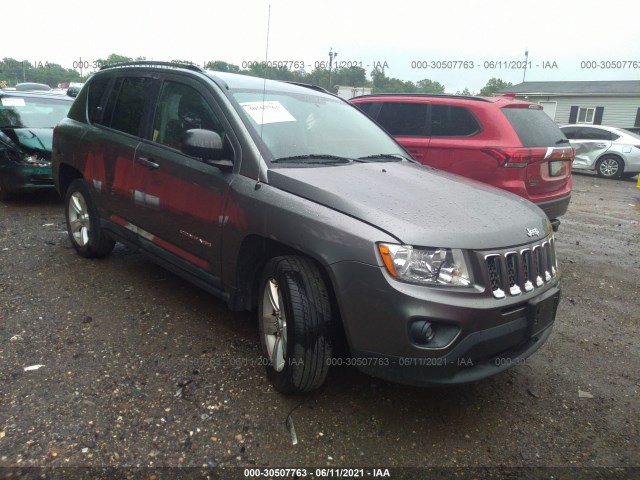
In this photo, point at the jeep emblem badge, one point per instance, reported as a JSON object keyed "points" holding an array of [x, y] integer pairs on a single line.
{"points": [[533, 232]]}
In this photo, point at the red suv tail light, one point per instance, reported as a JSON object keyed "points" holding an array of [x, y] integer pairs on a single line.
{"points": [[522, 156], [517, 157]]}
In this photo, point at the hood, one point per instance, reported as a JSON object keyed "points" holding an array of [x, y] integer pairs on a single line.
{"points": [[28, 140], [419, 205]]}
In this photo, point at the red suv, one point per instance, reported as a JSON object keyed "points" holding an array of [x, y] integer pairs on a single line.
{"points": [[507, 143]]}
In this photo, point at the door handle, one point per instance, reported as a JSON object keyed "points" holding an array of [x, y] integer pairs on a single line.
{"points": [[146, 162]]}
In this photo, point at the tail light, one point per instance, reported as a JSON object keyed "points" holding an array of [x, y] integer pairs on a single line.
{"points": [[521, 157]]}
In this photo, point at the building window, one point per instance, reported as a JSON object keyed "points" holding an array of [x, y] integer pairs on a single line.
{"points": [[585, 115]]}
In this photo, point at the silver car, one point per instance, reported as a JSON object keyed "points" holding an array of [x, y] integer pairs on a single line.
{"points": [[611, 152]]}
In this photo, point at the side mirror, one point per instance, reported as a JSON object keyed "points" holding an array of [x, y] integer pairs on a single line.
{"points": [[207, 145]]}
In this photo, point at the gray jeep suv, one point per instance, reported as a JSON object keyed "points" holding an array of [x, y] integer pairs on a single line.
{"points": [[287, 200]]}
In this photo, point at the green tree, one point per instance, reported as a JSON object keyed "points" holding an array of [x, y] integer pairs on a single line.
{"points": [[493, 85], [352, 76], [319, 76], [464, 92], [429, 86], [52, 74], [13, 72], [384, 84], [275, 73], [220, 66], [113, 58]]}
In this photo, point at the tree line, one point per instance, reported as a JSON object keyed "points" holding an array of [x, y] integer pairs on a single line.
{"points": [[14, 71]]}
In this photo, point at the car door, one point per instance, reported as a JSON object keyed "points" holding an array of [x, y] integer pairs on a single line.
{"points": [[590, 143], [117, 116], [180, 200], [453, 146], [407, 122]]}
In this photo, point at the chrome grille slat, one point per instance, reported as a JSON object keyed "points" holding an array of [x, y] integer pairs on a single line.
{"points": [[514, 272]]}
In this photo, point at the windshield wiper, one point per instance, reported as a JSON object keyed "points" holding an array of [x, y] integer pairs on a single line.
{"points": [[314, 158], [562, 140], [383, 157]]}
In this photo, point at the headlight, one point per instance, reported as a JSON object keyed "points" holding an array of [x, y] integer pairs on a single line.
{"points": [[36, 161], [425, 266], [30, 160]]}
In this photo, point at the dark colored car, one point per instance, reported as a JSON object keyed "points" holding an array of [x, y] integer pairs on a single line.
{"points": [[26, 127], [507, 143], [289, 201]]}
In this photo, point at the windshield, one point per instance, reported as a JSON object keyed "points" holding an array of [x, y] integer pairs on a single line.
{"points": [[21, 112], [303, 128]]}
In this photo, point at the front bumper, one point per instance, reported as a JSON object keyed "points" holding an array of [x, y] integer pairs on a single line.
{"points": [[482, 335], [18, 178]]}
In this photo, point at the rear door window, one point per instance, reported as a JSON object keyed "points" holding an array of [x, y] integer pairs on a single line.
{"points": [[365, 107], [571, 133], [97, 89], [590, 133], [451, 121], [534, 127], [126, 105], [404, 119]]}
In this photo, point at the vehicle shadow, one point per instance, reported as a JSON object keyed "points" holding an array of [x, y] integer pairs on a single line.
{"points": [[29, 199], [587, 173]]}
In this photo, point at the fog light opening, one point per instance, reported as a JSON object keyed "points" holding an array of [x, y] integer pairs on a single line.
{"points": [[422, 332]]}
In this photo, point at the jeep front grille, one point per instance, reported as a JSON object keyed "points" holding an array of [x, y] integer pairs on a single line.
{"points": [[515, 271]]}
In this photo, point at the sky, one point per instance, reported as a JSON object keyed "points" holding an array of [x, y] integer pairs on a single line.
{"points": [[412, 40]]}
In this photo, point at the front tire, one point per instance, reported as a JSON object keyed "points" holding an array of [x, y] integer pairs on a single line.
{"points": [[83, 222], [295, 324], [610, 167]]}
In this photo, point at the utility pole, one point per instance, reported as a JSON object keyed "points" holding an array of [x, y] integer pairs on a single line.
{"points": [[526, 57], [332, 55]]}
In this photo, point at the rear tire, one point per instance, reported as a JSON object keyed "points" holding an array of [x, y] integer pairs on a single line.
{"points": [[295, 324], [609, 167], [83, 222]]}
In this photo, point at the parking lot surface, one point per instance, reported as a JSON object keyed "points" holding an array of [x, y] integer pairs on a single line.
{"points": [[117, 362]]}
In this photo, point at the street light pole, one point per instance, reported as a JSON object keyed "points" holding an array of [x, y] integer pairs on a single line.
{"points": [[526, 57], [332, 55]]}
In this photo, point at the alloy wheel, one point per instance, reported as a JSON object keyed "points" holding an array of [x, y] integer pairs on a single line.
{"points": [[274, 323], [79, 220]]}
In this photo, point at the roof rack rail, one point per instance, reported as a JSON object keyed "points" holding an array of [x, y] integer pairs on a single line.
{"points": [[309, 85], [151, 63], [432, 95]]}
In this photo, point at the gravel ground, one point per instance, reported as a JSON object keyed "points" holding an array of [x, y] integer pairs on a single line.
{"points": [[139, 369]]}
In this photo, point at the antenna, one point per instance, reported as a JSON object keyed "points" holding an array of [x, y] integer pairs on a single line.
{"points": [[264, 90], [266, 62]]}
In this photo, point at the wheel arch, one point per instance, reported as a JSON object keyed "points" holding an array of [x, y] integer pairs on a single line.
{"points": [[66, 175], [255, 251], [610, 154]]}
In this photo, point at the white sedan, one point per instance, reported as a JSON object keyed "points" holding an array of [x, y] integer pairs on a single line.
{"points": [[611, 152]]}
